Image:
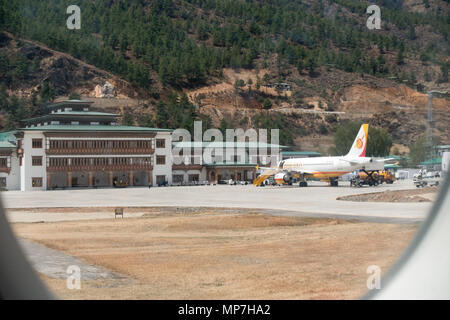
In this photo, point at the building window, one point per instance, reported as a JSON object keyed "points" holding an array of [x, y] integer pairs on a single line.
{"points": [[37, 143], [36, 182], [36, 161], [160, 143], [3, 162], [160, 159], [2, 182]]}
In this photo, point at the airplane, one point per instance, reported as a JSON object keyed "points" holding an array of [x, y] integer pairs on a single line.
{"points": [[325, 168]]}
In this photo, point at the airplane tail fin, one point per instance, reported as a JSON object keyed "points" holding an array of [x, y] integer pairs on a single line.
{"points": [[359, 146]]}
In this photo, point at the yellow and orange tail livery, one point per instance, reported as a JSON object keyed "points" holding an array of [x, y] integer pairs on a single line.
{"points": [[359, 146]]}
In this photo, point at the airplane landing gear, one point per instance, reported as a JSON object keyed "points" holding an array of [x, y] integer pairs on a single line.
{"points": [[334, 183]]}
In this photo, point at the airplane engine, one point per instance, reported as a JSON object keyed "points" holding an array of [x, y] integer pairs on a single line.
{"points": [[282, 178]]}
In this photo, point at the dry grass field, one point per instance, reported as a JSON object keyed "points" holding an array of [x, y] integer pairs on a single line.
{"points": [[223, 255]]}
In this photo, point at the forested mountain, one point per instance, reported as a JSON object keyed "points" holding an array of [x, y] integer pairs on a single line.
{"points": [[177, 45]]}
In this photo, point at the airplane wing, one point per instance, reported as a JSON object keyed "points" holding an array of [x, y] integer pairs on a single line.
{"points": [[386, 160], [353, 163], [375, 160]]}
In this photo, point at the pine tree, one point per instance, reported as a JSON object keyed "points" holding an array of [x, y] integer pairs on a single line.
{"points": [[400, 56], [47, 93], [267, 104], [75, 96], [127, 119]]}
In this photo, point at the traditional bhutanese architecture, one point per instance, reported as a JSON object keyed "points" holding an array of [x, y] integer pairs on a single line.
{"points": [[75, 146], [237, 161], [9, 163]]}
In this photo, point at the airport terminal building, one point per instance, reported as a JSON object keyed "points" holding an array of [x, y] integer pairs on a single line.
{"points": [[73, 146], [237, 161]]}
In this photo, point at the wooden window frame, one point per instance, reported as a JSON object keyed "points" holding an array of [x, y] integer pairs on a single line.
{"points": [[161, 160], [36, 143], [36, 158], [160, 143]]}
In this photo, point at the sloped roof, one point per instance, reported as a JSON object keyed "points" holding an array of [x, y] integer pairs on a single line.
{"points": [[108, 128], [6, 144], [7, 139], [432, 162], [301, 153], [222, 144], [231, 164]]}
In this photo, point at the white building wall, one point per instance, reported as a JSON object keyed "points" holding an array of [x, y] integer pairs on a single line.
{"points": [[203, 176], [166, 169], [13, 178], [445, 161], [27, 170]]}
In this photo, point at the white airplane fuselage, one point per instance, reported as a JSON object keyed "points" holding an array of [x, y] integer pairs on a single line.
{"points": [[324, 167]]}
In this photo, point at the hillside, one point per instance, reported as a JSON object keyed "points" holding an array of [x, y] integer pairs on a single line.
{"points": [[226, 56]]}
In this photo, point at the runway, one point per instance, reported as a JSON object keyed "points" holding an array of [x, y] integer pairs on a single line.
{"points": [[317, 200]]}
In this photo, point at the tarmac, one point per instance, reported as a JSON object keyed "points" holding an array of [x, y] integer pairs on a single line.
{"points": [[316, 200]]}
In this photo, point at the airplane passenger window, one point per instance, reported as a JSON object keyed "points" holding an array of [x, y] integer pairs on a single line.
{"points": [[237, 150]]}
